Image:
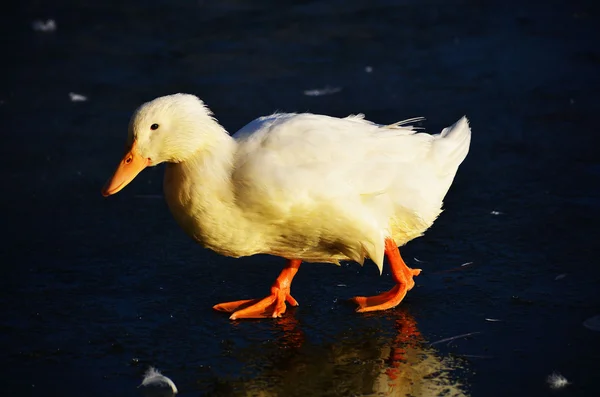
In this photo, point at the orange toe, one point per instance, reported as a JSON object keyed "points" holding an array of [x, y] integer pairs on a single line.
{"points": [[384, 301], [290, 299], [410, 273], [231, 307], [270, 307], [365, 301], [392, 298], [266, 307]]}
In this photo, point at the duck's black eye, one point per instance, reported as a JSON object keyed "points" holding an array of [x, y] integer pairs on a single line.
{"points": [[154, 126]]}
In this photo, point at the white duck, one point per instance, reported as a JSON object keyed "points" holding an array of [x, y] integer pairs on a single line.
{"points": [[304, 187]]}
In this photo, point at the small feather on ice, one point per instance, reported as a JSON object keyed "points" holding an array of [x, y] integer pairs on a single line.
{"points": [[156, 384], [592, 323], [77, 97], [44, 26], [322, 91], [557, 381], [496, 213]]}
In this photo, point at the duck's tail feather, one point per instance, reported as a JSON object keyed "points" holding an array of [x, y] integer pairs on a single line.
{"points": [[452, 146]]}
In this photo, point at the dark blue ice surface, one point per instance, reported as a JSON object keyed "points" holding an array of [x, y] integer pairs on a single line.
{"points": [[95, 290]]}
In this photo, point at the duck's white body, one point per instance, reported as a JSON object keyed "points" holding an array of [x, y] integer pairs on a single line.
{"points": [[313, 187], [301, 186]]}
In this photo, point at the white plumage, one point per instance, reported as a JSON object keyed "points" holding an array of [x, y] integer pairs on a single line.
{"points": [[311, 187], [301, 186]]}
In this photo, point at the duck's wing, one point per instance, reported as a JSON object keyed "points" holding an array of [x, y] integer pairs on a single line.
{"points": [[331, 176], [282, 159]]}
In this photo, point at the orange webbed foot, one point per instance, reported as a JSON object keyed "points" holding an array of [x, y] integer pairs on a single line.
{"points": [[402, 274], [270, 307], [389, 299], [384, 301], [273, 305]]}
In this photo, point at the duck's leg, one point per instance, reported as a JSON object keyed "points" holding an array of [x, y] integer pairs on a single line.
{"points": [[271, 306], [403, 276]]}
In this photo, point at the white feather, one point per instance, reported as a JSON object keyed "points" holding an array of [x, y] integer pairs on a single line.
{"points": [[156, 384], [557, 381]]}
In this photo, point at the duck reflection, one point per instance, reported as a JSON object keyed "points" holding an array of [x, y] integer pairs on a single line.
{"points": [[366, 362]]}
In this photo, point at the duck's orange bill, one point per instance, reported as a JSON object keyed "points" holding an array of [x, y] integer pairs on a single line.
{"points": [[131, 165]]}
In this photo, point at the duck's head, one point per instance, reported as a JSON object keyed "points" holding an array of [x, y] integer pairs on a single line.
{"points": [[167, 129]]}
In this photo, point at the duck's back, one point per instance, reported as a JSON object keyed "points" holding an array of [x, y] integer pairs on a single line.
{"points": [[324, 181]]}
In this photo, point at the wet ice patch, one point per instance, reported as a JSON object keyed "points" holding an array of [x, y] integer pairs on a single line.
{"points": [[44, 26], [156, 384], [369, 69], [322, 91], [557, 381], [560, 276], [77, 97]]}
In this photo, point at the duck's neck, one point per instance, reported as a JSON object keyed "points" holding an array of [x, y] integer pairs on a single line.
{"points": [[201, 197]]}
